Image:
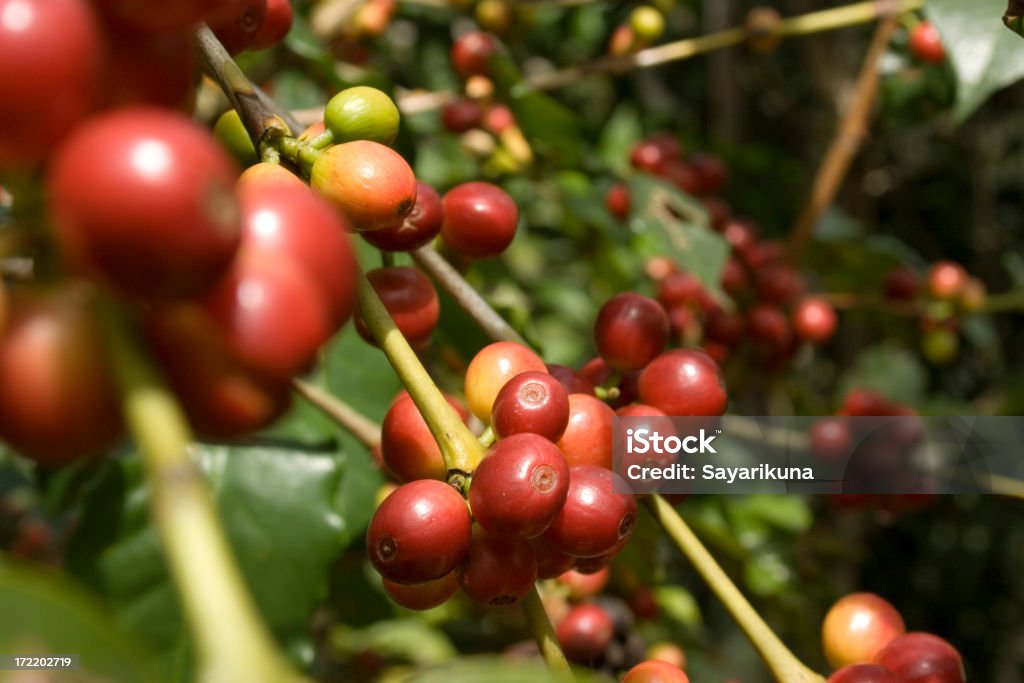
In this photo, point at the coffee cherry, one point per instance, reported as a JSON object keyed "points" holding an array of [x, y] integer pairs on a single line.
{"points": [[292, 222], [179, 14], [498, 570], [58, 402], [276, 25], [768, 326], [230, 132], [272, 313], [901, 284], [479, 219], [143, 199], [630, 331], [585, 633], [268, 175], [594, 520], [572, 381], [462, 114], [489, 371], [587, 439], [741, 234], [551, 562], [669, 653], [623, 41], [647, 23], [857, 627], [618, 201], [423, 596], [655, 671], [50, 62], [680, 289], [652, 154], [519, 487], [684, 382], [865, 403], [864, 673], [940, 346], [410, 299], [711, 172], [472, 52], [814, 320], [371, 184], [974, 296], [778, 283], [761, 24], [734, 277], [724, 327], [419, 533], [236, 23], [417, 229], [946, 280], [362, 113], [145, 68], [831, 438], [922, 658], [532, 402], [580, 586], [408, 449], [926, 43]]}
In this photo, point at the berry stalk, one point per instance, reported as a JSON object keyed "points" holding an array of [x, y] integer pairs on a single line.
{"points": [[544, 633], [347, 417]]}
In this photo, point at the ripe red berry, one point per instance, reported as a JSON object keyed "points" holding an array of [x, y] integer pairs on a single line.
{"points": [[680, 174], [519, 487], [423, 596], [551, 562], [865, 403], [574, 382], [655, 671], [479, 219], [462, 114], [652, 155], [778, 283], [734, 277], [630, 331], [595, 520], [864, 673], [50, 62], [618, 201], [814, 320], [585, 633], [237, 23], [724, 327], [741, 234], [680, 289], [276, 24], [180, 14], [581, 586], [419, 533], [768, 326], [143, 199], [831, 438], [411, 300], [711, 171], [489, 371], [498, 570], [408, 449], [532, 402], [901, 284], [946, 280], [417, 229], [857, 627], [147, 68], [472, 52], [926, 43], [587, 439], [684, 382], [498, 119], [922, 658]]}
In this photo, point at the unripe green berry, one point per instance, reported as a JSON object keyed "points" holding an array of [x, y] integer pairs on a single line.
{"points": [[362, 113], [231, 133], [647, 23]]}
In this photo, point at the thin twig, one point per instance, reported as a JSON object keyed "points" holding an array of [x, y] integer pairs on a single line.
{"points": [[347, 417]]}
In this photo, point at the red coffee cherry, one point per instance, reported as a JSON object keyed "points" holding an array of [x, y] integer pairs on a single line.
{"points": [[653, 154], [768, 326], [419, 533], [472, 52], [857, 627], [423, 596], [479, 219], [489, 371], [724, 327], [581, 586], [680, 289], [594, 520], [864, 673], [865, 403], [734, 277], [237, 23], [618, 201], [143, 199], [574, 382], [630, 331], [411, 300], [462, 114], [711, 171], [680, 174], [926, 43], [946, 280], [276, 24], [147, 68], [291, 221], [585, 633], [815, 320], [587, 439], [778, 283], [519, 487], [498, 570], [922, 658], [655, 671], [368, 182], [47, 47], [498, 119], [408, 449], [901, 284], [417, 229], [179, 14], [684, 382], [831, 438], [532, 402], [551, 562], [741, 234]]}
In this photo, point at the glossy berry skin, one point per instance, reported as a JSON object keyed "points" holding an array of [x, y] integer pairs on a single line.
{"points": [[180, 14], [864, 673], [58, 401], [926, 43], [857, 627], [946, 280], [472, 52], [271, 312], [630, 331], [519, 487], [50, 62], [618, 201], [498, 570], [580, 586], [362, 113], [767, 325], [143, 199], [146, 68], [865, 403], [419, 533], [711, 171], [479, 219], [683, 382], [585, 633], [462, 115], [491, 368], [408, 449], [574, 382], [411, 300], [237, 23], [587, 439], [292, 222], [275, 26], [532, 402], [778, 283], [371, 184], [594, 520], [923, 658], [680, 289], [815, 320], [425, 595], [551, 562], [417, 229], [655, 671], [266, 174]]}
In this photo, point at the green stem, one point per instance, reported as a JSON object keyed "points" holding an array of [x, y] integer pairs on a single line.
{"points": [[544, 634], [351, 420], [783, 664], [488, 437], [301, 153], [230, 638]]}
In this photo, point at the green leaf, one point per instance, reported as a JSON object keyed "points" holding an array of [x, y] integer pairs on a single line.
{"points": [[985, 56], [408, 640], [895, 372], [678, 604], [789, 513], [622, 130]]}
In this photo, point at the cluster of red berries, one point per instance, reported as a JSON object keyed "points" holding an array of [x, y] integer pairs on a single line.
{"points": [[865, 639]]}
